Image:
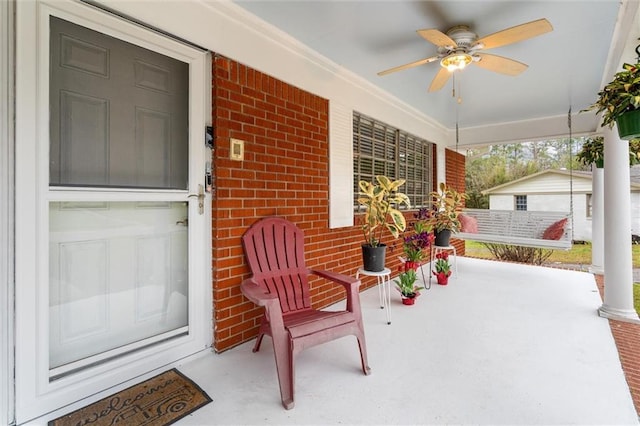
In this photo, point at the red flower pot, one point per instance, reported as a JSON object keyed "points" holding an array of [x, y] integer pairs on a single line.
{"points": [[442, 278], [408, 300]]}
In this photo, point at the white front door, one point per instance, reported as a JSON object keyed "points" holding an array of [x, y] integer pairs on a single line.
{"points": [[111, 260]]}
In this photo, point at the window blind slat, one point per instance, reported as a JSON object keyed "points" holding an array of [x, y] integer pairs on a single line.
{"points": [[382, 149]]}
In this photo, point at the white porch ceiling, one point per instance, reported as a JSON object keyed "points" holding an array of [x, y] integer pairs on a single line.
{"points": [[567, 66]]}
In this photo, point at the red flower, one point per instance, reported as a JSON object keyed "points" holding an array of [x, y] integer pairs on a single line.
{"points": [[444, 255]]}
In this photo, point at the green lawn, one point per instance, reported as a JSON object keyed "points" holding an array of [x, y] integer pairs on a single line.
{"points": [[579, 254]]}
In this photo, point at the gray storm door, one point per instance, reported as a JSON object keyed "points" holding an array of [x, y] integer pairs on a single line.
{"points": [[118, 269]]}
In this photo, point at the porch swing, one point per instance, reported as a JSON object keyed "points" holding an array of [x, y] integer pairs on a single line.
{"points": [[538, 229]]}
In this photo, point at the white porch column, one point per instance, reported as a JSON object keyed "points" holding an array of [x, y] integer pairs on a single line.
{"points": [[618, 273], [597, 221]]}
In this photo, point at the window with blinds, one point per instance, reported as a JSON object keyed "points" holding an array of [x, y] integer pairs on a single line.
{"points": [[380, 149]]}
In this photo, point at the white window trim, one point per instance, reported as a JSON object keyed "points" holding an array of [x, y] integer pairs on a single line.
{"points": [[340, 165], [7, 143]]}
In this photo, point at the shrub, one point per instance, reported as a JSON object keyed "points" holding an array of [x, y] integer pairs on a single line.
{"points": [[531, 255]]}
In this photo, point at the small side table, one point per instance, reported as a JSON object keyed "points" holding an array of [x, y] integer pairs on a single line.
{"points": [[438, 249], [384, 287]]}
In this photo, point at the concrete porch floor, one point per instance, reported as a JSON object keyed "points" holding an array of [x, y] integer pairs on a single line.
{"points": [[501, 344]]}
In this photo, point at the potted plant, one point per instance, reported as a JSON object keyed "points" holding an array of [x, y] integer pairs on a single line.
{"points": [[447, 203], [443, 268], [406, 285], [417, 241], [619, 101], [592, 152], [380, 202]]}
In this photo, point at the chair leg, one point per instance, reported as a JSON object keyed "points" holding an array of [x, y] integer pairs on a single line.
{"points": [[264, 329], [256, 347], [284, 354], [362, 344]]}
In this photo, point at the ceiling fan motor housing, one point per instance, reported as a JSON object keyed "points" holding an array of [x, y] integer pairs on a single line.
{"points": [[463, 36]]}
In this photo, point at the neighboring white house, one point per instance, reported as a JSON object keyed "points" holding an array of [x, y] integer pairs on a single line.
{"points": [[553, 190]]}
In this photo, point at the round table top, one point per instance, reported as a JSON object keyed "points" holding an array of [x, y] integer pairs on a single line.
{"points": [[385, 271]]}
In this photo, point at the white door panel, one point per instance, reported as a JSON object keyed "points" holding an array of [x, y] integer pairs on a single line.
{"points": [[115, 271]]}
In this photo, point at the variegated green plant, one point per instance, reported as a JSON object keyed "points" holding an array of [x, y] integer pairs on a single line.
{"points": [[592, 151], [446, 203], [381, 202], [621, 95]]}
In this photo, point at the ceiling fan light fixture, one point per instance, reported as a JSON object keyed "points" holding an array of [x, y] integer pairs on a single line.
{"points": [[456, 61]]}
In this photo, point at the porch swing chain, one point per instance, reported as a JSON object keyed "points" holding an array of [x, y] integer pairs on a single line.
{"points": [[458, 102]]}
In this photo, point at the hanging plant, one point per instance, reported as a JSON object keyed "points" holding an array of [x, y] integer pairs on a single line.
{"points": [[618, 98], [593, 152]]}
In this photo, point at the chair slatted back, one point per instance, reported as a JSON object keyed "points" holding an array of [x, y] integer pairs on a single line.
{"points": [[274, 248]]}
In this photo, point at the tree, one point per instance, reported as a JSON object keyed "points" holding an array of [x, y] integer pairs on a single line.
{"points": [[494, 165]]}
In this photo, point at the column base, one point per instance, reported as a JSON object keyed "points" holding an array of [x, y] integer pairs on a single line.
{"points": [[595, 269], [619, 314]]}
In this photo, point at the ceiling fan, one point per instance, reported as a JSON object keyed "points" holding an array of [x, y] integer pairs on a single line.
{"points": [[460, 47]]}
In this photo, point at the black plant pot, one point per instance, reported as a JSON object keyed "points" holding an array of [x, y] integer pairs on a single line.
{"points": [[373, 257], [442, 237]]}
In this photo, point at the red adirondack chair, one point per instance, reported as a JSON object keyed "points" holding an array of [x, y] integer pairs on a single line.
{"points": [[274, 248]]}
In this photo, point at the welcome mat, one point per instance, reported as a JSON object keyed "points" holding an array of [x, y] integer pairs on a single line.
{"points": [[159, 401]]}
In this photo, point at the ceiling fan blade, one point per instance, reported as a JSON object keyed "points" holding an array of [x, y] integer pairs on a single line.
{"points": [[500, 64], [516, 34], [409, 65], [438, 38], [439, 80]]}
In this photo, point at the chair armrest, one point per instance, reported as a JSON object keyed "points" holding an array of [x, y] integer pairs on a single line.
{"points": [[256, 294], [351, 286], [345, 280], [271, 303]]}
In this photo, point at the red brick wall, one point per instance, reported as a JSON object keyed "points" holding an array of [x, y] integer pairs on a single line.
{"points": [[455, 173], [285, 173], [455, 164]]}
